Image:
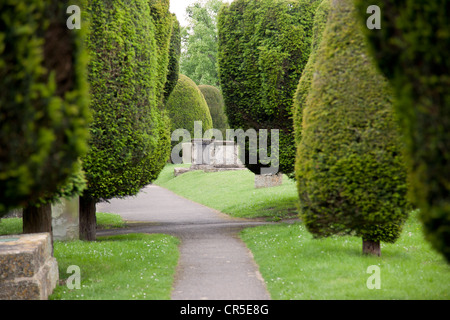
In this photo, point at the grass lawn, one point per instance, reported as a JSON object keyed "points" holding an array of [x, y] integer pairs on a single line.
{"points": [[233, 193], [126, 267], [296, 266]]}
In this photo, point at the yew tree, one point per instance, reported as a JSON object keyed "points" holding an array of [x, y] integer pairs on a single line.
{"points": [[130, 139]]}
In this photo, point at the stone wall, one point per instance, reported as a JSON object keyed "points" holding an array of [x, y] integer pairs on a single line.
{"points": [[28, 270]]}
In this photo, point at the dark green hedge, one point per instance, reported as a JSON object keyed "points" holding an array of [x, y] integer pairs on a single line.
{"points": [[320, 20], [216, 106], [162, 20], [412, 50], [174, 58], [129, 135], [350, 171], [44, 112], [186, 104], [263, 48]]}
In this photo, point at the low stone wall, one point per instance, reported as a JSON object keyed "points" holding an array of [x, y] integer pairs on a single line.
{"points": [[28, 270]]}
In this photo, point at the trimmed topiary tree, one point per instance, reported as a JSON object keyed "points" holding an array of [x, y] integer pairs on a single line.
{"points": [[44, 114], [186, 105], [130, 141], [304, 85], [350, 172], [163, 21], [216, 106], [263, 48], [411, 49], [174, 58]]}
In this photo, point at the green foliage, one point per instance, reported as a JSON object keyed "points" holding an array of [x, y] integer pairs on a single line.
{"points": [[216, 106], [263, 48], [350, 172], [129, 135], [174, 58], [44, 112], [304, 84], [186, 104], [162, 20], [199, 38], [411, 49]]}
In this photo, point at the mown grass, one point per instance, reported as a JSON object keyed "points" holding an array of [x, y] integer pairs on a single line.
{"points": [[233, 193], [125, 267], [297, 266]]}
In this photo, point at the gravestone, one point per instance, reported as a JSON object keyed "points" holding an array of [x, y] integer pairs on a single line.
{"points": [[268, 180], [210, 155], [28, 270], [65, 219]]}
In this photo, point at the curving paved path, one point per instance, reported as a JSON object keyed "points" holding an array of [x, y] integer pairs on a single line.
{"points": [[214, 263]]}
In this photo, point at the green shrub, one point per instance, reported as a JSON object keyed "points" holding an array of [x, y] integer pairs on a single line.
{"points": [[174, 58], [129, 134], [320, 20], [44, 114], [216, 106], [263, 48], [411, 49], [162, 20], [350, 172], [186, 104]]}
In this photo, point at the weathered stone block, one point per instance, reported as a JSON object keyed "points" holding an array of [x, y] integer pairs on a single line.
{"points": [[65, 219], [268, 180], [28, 271]]}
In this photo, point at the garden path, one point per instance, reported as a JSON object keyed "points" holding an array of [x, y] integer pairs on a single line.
{"points": [[214, 263]]}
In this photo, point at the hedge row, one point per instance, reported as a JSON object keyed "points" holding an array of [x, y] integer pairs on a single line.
{"points": [[263, 48]]}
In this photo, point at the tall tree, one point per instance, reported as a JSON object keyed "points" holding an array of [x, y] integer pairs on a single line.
{"points": [[130, 139], [44, 112], [199, 43], [411, 49], [350, 171], [263, 48], [174, 58]]}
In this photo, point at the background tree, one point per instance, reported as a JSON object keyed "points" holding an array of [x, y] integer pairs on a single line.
{"points": [[44, 110], [199, 42], [350, 172], [186, 105], [411, 49], [263, 48], [216, 106], [130, 141]]}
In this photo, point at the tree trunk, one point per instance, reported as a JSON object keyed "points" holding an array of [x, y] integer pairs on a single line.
{"points": [[88, 220], [371, 247], [38, 219]]}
